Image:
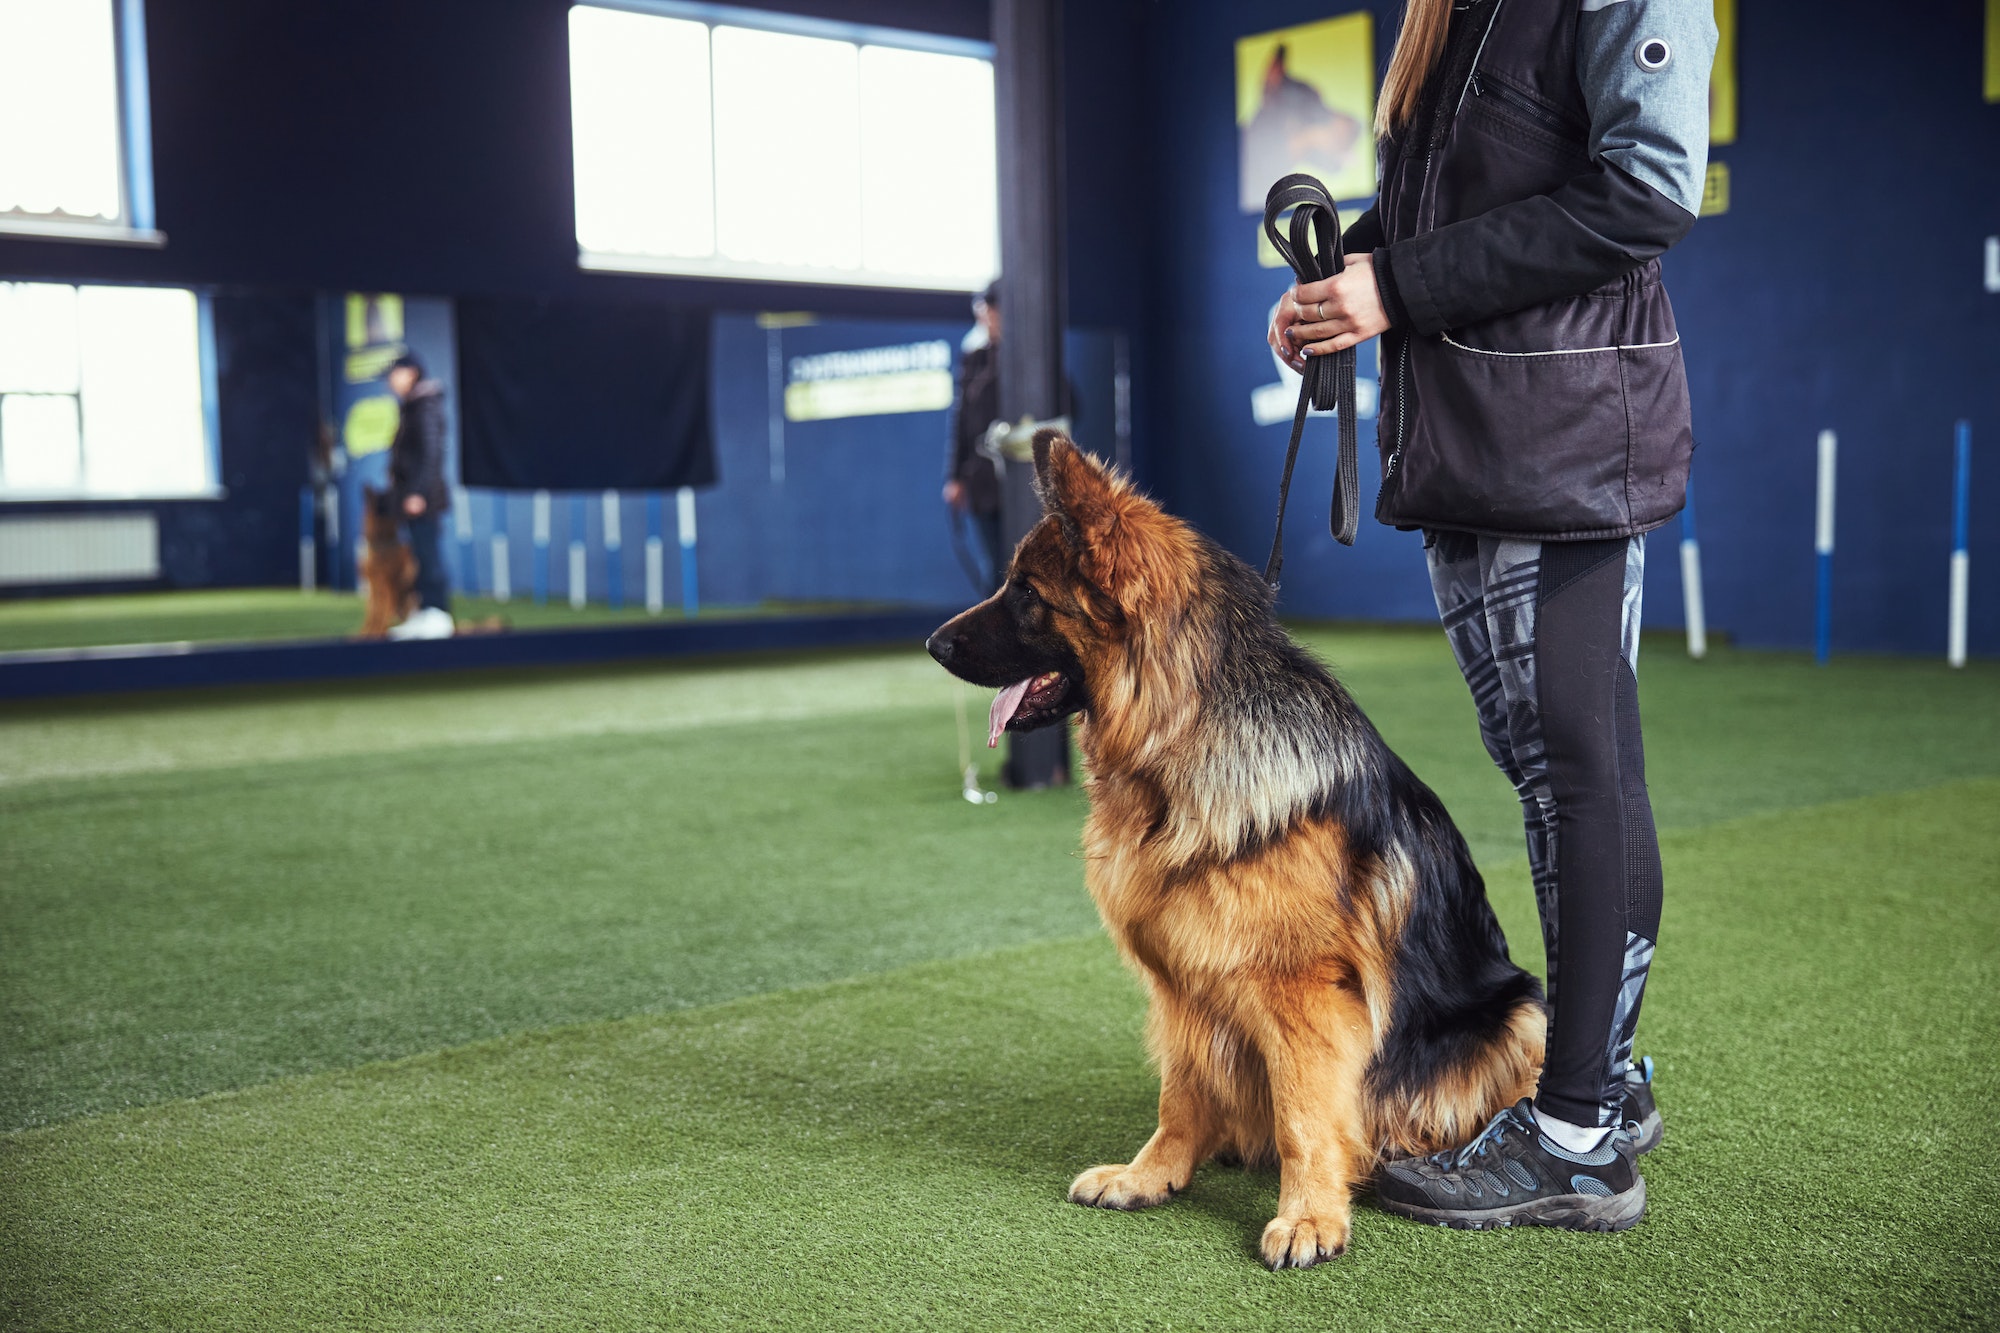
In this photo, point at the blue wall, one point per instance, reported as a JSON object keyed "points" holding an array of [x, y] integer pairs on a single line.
{"points": [[850, 509], [1842, 290], [841, 510], [422, 146]]}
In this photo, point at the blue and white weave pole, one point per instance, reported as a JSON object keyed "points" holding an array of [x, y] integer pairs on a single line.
{"points": [[690, 585], [656, 555], [467, 579], [1823, 549], [308, 549], [541, 569], [579, 556], [1961, 524], [614, 553], [1691, 602], [503, 564]]}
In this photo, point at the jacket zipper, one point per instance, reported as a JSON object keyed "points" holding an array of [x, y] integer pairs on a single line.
{"points": [[1525, 105], [1402, 409], [1423, 192], [1430, 153]]}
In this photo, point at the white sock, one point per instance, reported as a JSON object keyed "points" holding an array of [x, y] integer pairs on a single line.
{"points": [[1574, 1138]]}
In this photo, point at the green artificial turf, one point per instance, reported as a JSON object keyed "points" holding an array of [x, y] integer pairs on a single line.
{"points": [[243, 615], [892, 1152], [436, 862], [206, 892]]}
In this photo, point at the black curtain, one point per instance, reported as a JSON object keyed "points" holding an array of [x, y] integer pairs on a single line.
{"points": [[564, 395]]}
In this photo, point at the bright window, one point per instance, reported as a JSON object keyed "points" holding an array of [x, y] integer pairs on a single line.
{"points": [[102, 393], [73, 142], [721, 142]]}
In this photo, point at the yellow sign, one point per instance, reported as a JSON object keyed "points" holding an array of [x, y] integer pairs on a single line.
{"points": [[374, 335], [1993, 50], [372, 318], [868, 395], [371, 363], [1305, 101], [1722, 79], [371, 425], [1715, 190]]}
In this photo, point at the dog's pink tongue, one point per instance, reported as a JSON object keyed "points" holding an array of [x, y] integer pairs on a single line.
{"points": [[1004, 704]]}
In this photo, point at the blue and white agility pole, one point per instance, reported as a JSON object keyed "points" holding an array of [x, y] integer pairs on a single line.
{"points": [[461, 518], [541, 534], [503, 568], [1961, 560], [1691, 603], [1823, 548], [690, 585], [579, 556], [308, 550], [656, 555], [614, 553]]}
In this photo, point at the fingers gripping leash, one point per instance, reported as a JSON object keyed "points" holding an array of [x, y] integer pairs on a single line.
{"points": [[1313, 251]]}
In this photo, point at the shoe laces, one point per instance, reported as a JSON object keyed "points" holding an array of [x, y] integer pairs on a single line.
{"points": [[1458, 1159]]}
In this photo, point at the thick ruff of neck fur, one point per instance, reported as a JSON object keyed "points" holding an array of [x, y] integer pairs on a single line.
{"points": [[1235, 741]]}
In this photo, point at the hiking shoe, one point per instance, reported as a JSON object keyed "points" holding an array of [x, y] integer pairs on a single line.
{"points": [[1641, 1117], [429, 622], [1511, 1175]]}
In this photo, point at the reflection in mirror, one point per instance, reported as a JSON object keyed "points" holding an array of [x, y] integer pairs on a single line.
{"points": [[182, 467]]}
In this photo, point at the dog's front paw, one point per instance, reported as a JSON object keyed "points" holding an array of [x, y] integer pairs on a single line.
{"points": [[1117, 1186], [1301, 1242]]}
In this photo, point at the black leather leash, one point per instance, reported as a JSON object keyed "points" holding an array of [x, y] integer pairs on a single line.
{"points": [[1313, 251]]}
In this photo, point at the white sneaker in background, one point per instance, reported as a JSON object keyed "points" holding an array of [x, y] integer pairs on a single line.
{"points": [[428, 622]]}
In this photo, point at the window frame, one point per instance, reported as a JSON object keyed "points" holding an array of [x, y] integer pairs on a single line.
{"points": [[135, 225], [211, 422], [718, 267]]}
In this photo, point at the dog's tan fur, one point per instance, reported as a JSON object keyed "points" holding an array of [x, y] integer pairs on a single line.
{"points": [[388, 568], [1268, 953]]}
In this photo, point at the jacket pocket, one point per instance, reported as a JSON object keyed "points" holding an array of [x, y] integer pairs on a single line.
{"points": [[1660, 431], [1528, 443]]}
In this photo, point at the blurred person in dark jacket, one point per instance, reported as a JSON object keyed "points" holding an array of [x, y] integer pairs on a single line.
{"points": [[972, 477], [972, 480], [417, 483]]}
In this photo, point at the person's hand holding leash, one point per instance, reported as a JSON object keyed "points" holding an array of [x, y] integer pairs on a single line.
{"points": [[1319, 318]]}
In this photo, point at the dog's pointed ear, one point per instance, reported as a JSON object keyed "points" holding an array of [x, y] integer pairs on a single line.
{"points": [[1055, 456], [1045, 443], [1098, 515], [1074, 487]]}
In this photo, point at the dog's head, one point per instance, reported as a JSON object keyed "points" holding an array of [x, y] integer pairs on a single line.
{"points": [[1055, 636]]}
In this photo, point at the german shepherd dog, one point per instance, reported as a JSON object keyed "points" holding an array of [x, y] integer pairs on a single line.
{"points": [[1327, 983], [388, 567]]}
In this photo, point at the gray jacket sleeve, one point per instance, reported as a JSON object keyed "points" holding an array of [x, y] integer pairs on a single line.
{"points": [[1644, 67], [1649, 149]]}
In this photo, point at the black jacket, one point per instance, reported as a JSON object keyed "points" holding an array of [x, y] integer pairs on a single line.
{"points": [[416, 455], [1532, 383], [974, 408]]}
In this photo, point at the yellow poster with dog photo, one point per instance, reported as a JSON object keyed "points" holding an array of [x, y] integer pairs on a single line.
{"points": [[1305, 101]]}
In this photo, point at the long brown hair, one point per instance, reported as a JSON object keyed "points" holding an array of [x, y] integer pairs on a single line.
{"points": [[1419, 46]]}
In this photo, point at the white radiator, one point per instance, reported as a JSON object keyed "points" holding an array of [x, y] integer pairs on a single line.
{"points": [[79, 548]]}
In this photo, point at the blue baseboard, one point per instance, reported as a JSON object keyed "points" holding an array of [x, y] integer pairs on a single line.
{"points": [[82, 671]]}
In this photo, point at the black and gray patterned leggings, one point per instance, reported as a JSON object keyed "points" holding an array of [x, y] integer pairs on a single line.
{"points": [[1547, 636]]}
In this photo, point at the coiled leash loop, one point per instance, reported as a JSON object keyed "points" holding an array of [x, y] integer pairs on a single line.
{"points": [[1313, 251]]}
